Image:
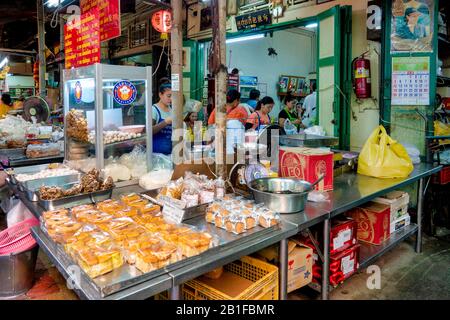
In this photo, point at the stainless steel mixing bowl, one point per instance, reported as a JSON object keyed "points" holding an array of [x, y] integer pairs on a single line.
{"points": [[283, 195]]}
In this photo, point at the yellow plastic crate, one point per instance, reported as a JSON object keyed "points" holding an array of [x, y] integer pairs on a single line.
{"points": [[263, 275]]}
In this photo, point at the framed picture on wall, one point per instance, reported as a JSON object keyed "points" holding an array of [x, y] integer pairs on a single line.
{"points": [[323, 1], [283, 84]]}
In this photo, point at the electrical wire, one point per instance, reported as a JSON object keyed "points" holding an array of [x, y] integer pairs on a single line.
{"points": [[160, 57]]}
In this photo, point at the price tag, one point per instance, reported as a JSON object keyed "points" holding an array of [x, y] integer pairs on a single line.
{"points": [[173, 213], [346, 235], [180, 204]]}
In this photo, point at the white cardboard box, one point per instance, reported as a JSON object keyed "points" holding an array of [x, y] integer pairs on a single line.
{"points": [[400, 223], [398, 201]]}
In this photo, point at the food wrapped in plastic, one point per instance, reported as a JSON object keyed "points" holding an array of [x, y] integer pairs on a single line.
{"points": [[94, 217], [144, 218], [42, 150], [94, 251], [156, 256], [54, 213], [127, 212], [191, 197], [62, 231], [126, 232], [138, 204], [131, 197], [269, 218], [151, 208], [132, 245], [194, 243], [160, 225], [173, 235], [250, 218], [115, 223], [173, 189], [83, 207], [207, 193], [235, 224], [110, 206]]}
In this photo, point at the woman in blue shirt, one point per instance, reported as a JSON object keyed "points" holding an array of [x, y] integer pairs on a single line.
{"points": [[162, 121]]}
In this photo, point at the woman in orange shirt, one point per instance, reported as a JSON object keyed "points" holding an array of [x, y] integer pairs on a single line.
{"points": [[261, 116], [234, 110]]}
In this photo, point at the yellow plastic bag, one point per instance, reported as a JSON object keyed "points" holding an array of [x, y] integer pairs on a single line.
{"points": [[383, 157], [442, 129]]}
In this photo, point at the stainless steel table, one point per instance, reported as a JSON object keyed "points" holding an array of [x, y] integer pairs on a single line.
{"points": [[351, 190], [16, 158], [233, 248]]}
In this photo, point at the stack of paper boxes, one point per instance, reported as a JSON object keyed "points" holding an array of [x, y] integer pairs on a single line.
{"points": [[398, 202]]}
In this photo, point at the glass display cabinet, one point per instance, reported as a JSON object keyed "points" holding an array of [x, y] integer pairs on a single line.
{"points": [[108, 122]]}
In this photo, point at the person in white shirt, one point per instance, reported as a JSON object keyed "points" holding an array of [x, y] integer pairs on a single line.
{"points": [[309, 105]]}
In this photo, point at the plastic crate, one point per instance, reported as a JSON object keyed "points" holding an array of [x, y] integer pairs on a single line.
{"points": [[263, 275], [442, 177]]}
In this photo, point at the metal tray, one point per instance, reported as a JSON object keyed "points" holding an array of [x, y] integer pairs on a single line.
{"points": [[31, 187], [189, 213], [73, 201], [26, 170]]}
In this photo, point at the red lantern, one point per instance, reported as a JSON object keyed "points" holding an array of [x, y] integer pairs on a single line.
{"points": [[162, 21]]}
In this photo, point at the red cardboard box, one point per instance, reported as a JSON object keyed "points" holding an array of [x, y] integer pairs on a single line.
{"points": [[342, 234], [307, 164], [342, 265], [373, 221]]}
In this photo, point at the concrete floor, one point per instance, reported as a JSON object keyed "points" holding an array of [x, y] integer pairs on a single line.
{"points": [[404, 275]]}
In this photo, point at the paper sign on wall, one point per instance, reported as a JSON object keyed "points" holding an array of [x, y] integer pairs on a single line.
{"points": [[109, 15], [410, 81], [82, 40]]}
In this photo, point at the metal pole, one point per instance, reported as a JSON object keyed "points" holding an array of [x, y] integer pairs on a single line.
{"points": [[219, 38], [283, 268], [61, 64], [175, 293], [419, 217], [176, 50], [326, 259], [41, 45]]}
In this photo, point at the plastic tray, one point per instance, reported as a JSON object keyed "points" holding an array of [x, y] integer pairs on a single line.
{"points": [[263, 275]]}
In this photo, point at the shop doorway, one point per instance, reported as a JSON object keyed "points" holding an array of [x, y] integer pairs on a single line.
{"points": [[289, 57]]}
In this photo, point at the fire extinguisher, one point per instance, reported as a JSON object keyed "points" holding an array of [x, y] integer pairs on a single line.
{"points": [[361, 77]]}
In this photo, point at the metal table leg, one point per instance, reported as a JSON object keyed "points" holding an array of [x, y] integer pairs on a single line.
{"points": [[175, 293], [326, 259], [419, 217], [283, 269]]}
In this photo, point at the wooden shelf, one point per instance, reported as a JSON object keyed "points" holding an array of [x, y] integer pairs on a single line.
{"points": [[282, 94]]}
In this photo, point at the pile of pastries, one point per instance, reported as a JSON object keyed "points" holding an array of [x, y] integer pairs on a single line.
{"points": [[101, 237], [90, 182], [237, 215]]}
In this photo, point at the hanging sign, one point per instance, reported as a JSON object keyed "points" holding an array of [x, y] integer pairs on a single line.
{"points": [[410, 81], [124, 92], [82, 40], [374, 13], [109, 15], [254, 20]]}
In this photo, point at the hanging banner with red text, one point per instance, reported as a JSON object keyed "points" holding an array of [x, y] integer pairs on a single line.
{"points": [[109, 15], [82, 40]]}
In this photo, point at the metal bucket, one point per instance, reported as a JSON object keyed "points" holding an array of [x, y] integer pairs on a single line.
{"points": [[17, 272]]}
